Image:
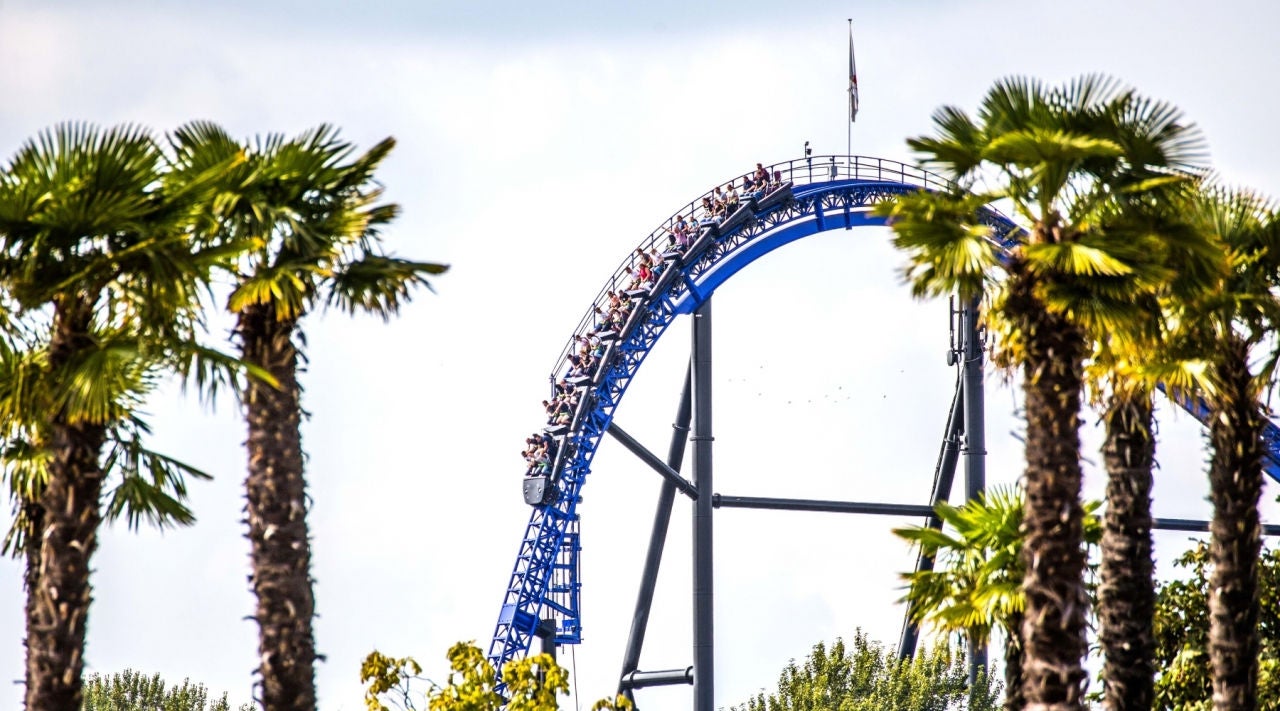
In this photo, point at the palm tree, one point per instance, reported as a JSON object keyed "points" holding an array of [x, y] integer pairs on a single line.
{"points": [[977, 585], [1123, 372], [1126, 595], [1157, 148], [95, 249], [1041, 151], [312, 208], [1225, 327]]}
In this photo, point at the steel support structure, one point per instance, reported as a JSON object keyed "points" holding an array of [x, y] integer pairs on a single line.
{"points": [[666, 677], [703, 569], [544, 582], [975, 428], [657, 541], [666, 469], [817, 505], [975, 435], [943, 476], [965, 417], [546, 634], [965, 434], [721, 501]]}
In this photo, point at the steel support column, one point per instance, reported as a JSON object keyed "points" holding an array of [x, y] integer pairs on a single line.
{"points": [[943, 477], [546, 633], [703, 598], [975, 431], [975, 434], [657, 541]]}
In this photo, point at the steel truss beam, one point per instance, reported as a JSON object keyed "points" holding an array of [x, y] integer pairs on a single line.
{"points": [[666, 677], [657, 540], [855, 507], [667, 471], [882, 509]]}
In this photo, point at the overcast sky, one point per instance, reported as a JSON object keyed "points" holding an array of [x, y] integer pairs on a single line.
{"points": [[538, 143]]}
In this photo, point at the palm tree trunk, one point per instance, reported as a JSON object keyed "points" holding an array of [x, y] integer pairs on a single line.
{"points": [[1126, 596], [71, 515], [1235, 483], [1013, 651], [277, 509], [1056, 597], [34, 522]]}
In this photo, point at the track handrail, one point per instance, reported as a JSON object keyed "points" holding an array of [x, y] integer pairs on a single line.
{"points": [[799, 171]]}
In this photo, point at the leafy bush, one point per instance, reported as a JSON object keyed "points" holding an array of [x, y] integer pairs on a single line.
{"points": [[868, 677], [533, 684], [1182, 634], [132, 691]]}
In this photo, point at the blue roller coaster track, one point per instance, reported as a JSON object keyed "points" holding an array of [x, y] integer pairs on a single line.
{"points": [[817, 194]]}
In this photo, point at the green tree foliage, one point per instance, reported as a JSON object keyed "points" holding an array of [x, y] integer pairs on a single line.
{"points": [[133, 691], [865, 676], [533, 684], [1182, 634]]}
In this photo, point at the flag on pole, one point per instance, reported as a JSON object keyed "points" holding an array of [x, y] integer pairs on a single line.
{"points": [[853, 81]]}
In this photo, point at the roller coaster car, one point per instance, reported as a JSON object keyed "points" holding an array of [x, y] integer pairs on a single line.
{"points": [[775, 198], [606, 362], [700, 245], [737, 219], [539, 490], [664, 281]]}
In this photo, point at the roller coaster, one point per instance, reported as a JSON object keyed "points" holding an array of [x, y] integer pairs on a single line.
{"points": [[623, 323]]}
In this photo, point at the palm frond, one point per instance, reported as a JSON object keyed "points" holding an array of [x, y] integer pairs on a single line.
{"points": [[25, 466], [151, 488], [948, 247], [976, 580], [1074, 259], [1085, 95], [377, 284], [288, 290], [1012, 104], [1155, 135], [210, 370], [1039, 147], [104, 384], [957, 149]]}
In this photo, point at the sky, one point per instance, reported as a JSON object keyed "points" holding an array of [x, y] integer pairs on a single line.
{"points": [[538, 143]]}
